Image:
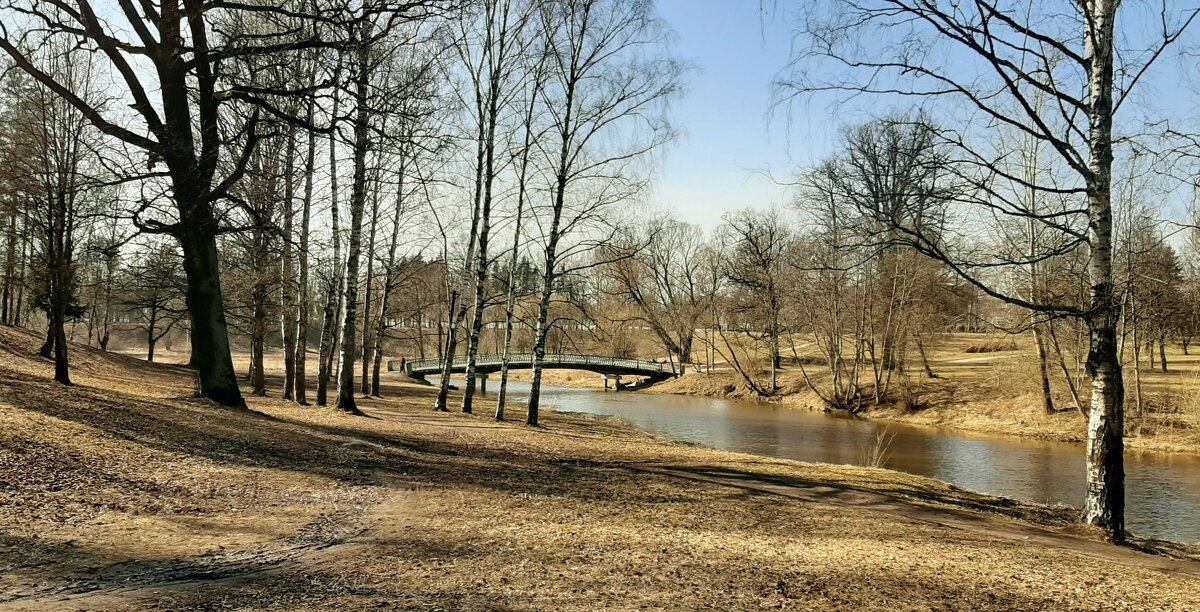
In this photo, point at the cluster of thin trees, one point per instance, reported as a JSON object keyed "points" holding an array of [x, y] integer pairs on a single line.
{"points": [[319, 173]]}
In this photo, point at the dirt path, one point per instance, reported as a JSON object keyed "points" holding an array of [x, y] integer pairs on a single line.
{"points": [[131, 578]]}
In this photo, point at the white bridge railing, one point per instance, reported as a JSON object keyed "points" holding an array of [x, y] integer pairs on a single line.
{"points": [[422, 367]]}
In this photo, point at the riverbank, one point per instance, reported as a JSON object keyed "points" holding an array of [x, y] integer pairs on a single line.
{"points": [[971, 405], [991, 393], [124, 492]]}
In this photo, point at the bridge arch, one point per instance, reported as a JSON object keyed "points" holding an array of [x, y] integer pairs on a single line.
{"points": [[487, 364]]}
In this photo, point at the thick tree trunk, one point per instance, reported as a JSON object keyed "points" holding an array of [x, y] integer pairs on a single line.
{"points": [[47, 349], [58, 330], [206, 308]]}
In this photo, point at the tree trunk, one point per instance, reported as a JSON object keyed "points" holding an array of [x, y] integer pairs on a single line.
{"points": [[47, 349], [206, 309], [1043, 369], [287, 284], [368, 344], [543, 321], [333, 295], [1104, 502], [258, 340], [389, 277], [303, 296], [358, 200], [327, 332]]}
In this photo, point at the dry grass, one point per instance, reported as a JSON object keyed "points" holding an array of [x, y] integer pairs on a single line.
{"points": [[124, 494]]}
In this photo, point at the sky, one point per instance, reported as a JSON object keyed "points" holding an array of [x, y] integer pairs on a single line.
{"points": [[733, 144], [731, 141]]}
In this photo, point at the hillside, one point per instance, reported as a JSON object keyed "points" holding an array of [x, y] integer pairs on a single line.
{"points": [[125, 492]]}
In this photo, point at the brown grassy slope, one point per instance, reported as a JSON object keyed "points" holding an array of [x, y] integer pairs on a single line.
{"points": [[126, 493]]}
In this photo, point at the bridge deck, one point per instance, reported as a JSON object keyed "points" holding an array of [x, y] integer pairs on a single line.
{"points": [[487, 364]]}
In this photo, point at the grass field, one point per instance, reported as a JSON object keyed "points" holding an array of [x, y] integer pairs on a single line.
{"points": [[125, 492]]}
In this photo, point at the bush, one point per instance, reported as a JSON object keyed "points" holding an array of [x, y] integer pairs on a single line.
{"points": [[995, 346]]}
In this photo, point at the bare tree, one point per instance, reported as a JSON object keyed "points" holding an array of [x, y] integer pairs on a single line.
{"points": [[606, 87], [494, 68], [155, 292], [754, 246], [663, 282]]}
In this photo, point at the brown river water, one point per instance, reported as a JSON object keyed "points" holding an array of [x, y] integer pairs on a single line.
{"points": [[1163, 490]]}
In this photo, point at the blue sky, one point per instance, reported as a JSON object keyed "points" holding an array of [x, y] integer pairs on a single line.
{"points": [[731, 137], [729, 140]]}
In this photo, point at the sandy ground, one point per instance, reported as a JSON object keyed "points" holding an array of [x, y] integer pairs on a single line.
{"points": [[126, 493]]}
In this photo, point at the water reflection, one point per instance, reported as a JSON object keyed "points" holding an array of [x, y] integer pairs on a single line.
{"points": [[1163, 490]]}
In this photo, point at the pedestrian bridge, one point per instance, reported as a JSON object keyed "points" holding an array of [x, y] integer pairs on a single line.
{"points": [[487, 364]]}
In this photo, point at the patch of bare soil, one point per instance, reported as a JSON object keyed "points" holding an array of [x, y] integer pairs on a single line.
{"points": [[125, 495]]}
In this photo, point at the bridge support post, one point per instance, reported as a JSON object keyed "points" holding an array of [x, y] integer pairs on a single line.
{"points": [[616, 380], [481, 387]]}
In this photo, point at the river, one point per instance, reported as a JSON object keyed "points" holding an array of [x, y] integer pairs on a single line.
{"points": [[1163, 490]]}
